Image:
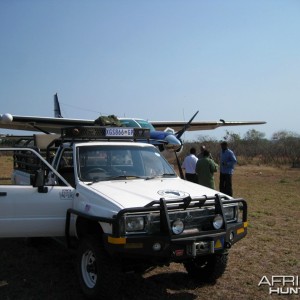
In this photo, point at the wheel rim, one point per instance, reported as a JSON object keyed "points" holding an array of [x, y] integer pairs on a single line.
{"points": [[89, 268]]}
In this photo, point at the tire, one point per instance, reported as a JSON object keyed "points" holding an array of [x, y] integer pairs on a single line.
{"points": [[99, 275], [207, 268]]}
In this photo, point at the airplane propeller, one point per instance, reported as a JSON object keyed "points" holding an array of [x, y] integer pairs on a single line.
{"points": [[178, 136], [186, 126], [170, 143]]}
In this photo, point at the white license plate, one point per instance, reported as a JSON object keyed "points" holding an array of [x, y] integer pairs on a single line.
{"points": [[118, 132]]}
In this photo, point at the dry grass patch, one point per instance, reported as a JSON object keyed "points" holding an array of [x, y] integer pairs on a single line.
{"points": [[270, 248]]}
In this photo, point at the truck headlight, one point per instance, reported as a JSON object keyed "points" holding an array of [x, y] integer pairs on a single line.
{"points": [[218, 222], [134, 223], [230, 213]]}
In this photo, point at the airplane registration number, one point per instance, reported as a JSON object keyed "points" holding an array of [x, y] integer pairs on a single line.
{"points": [[119, 131]]}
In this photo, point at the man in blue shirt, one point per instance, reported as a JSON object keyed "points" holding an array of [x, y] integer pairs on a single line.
{"points": [[227, 163]]}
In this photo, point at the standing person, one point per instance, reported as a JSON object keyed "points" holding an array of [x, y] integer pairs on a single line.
{"points": [[205, 169], [200, 155], [227, 163], [189, 164], [202, 149]]}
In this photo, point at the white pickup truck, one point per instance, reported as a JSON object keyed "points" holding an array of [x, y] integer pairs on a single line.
{"points": [[120, 203]]}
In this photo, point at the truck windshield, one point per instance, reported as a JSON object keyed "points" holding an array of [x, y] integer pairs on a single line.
{"points": [[109, 162]]}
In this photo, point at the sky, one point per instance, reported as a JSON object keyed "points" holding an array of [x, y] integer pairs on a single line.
{"points": [[157, 60]]}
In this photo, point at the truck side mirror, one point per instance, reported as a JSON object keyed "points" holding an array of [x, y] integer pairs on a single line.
{"points": [[40, 181]]}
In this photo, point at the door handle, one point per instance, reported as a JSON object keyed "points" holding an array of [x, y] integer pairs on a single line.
{"points": [[2, 194]]}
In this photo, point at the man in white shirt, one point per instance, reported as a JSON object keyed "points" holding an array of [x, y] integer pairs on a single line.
{"points": [[189, 164]]}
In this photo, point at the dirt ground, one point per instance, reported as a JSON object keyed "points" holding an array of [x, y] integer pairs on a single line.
{"points": [[45, 270]]}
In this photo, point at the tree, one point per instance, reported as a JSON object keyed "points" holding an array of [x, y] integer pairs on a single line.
{"points": [[286, 146], [283, 134], [254, 135], [232, 137]]}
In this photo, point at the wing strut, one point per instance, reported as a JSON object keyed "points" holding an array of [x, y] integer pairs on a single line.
{"points": [[39, 129], [179, 166]]}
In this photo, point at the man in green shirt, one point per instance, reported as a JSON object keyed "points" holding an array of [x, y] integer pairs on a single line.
{"points": [[205, 169]]}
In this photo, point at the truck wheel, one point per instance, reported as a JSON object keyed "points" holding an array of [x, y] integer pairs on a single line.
{"points": [[207, 268], [99, 275]]}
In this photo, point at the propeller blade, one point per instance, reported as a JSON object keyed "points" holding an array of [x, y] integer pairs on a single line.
{"points": [[186, 126]]}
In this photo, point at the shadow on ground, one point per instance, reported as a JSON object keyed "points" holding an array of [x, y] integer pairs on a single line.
{"points": [[44, 269]]}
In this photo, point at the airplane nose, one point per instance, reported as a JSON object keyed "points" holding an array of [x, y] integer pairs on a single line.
{"points": [[172, 143]]}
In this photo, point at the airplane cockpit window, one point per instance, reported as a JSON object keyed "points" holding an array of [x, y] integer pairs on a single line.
{"points": [[129, 123], [99, 163], [145, 124], [137, 123]]}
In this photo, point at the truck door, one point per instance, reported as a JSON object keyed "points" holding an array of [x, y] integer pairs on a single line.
{"points": [[26, 210]]}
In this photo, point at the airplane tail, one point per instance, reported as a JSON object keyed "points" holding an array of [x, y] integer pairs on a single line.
{"points": [[57, 112]]}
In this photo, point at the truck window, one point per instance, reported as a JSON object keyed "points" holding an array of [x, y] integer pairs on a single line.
{"points": [[152, 165], [20, 167], [6, 166], [65, 167]]}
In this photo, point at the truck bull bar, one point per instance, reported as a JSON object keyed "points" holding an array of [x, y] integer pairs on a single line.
{"points": [[163, 206]]}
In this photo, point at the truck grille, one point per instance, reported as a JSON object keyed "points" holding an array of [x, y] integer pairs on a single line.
{"points": [[195, 220]]}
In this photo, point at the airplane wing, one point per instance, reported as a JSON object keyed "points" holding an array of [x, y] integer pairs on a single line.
{"points": [[43, 124], [54, 125], [203, 125]]}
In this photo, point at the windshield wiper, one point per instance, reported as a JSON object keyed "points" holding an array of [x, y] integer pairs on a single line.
{"points": [[168, 175], [108, 178], [119, 177], [122, 177], [165, 175]]}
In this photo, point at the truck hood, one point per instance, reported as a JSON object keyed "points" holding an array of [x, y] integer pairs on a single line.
{"points": [[140, 192]]}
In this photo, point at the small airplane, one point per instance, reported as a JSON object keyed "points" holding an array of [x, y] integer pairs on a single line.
{"points": [[166, 135]]}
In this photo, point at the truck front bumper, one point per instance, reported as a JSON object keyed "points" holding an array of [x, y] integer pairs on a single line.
{"points": [[176, 248]]}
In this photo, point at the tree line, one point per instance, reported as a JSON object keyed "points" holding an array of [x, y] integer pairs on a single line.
{"points": [[253, 148]]}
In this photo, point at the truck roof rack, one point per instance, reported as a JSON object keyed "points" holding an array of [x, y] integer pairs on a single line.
{"points": [[105, 133], [45, 143]]}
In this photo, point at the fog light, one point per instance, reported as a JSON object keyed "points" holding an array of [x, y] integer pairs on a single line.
{"points": [[218, 222], [231, 236], [156, 246], [177, 227]]}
